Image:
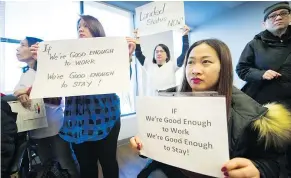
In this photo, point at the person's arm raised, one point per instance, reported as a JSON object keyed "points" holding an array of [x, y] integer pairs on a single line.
{"points": [[185, 47], [138, 52]]}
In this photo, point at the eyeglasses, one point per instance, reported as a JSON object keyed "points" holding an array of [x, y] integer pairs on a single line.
{"points": [[159, 51], [282, 14]]}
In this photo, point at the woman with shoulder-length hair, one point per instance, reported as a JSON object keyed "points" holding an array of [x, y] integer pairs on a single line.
{"points": [[161, 69], [258, 134], [94, 133], [50, 146]]}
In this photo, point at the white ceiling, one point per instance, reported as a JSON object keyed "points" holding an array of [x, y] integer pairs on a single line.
{"points": [[196, 12]]}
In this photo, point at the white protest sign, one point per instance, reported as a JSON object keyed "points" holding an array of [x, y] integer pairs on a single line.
{"points": [[185, 132], [159, 16], [31, 118], [82, 67]]}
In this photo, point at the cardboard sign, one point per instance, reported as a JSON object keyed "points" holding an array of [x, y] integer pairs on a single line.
{"points": [[82, 67], [159, 16]]}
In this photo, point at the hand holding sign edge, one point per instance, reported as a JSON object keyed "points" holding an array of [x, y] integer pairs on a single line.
{"points": [[33, 49], [240, 167], [136, 143], [131, 45]]}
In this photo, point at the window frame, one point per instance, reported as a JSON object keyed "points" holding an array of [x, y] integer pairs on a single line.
{"points": [[4, 40]]}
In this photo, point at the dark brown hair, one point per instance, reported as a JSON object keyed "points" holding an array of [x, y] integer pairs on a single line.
{"points": [[166, 49], [93, 24], [224, 86]]}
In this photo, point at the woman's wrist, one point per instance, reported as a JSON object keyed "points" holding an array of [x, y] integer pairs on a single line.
{"points": [[29, 90]]}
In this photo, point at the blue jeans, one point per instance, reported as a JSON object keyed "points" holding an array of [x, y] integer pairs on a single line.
{"points": [[55, 148]]}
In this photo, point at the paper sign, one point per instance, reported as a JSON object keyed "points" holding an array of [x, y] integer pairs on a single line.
{"points": [[32, 118], [159, 16], [185, 132], [82, 67]]}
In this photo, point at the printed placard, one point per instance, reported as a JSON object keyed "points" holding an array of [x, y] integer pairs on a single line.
{"points": [[185, 132]]}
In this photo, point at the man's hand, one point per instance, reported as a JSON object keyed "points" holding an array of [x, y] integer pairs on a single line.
{"points": [[270, 74]]}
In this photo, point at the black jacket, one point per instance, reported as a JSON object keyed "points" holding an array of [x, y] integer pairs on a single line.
{"points": [[257, 133], [267, 52], [8, 136]]}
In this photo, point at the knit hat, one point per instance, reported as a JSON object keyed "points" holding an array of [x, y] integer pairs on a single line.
{"points": [[274, 7]]}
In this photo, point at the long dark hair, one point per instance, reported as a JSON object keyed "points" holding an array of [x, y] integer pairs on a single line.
{"points": [[166, 49], [93, 24], [224, 86]]}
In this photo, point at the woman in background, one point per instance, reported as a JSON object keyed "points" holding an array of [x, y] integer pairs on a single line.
{"points": [[258, 134], [162, 73], [50, 146], [94, 133]]}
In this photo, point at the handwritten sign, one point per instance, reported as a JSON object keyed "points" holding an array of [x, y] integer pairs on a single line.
{"points": [[82, 67], [31, 118], [160, 16], [185, 132]]}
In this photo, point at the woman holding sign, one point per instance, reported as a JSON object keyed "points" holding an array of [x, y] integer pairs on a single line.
{"points": [[50, 146], [92, 122], [162, 73], [258, 134]]}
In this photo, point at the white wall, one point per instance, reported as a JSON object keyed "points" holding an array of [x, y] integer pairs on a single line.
{"points": [[236, 28]]}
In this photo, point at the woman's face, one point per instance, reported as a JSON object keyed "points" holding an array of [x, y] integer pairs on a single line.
{"points": [[23, 53], [83, 30], [160, 55], [203, 68]]}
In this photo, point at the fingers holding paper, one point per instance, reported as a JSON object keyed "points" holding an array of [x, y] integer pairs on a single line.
{"points": [[186, 30], [33, 49], [240, 168], [24, 100], [136, 143], [136, 35], [131, 45]]}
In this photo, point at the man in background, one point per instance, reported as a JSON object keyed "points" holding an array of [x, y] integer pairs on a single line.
{"points": [[265, 63]]}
